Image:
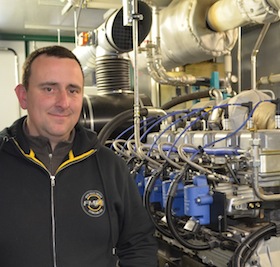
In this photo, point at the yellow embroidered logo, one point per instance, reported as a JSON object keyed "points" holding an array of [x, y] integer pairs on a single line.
{"points": [[93, 203]]}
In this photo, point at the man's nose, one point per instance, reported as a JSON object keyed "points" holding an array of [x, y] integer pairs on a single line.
{"points": [[62, 98]]}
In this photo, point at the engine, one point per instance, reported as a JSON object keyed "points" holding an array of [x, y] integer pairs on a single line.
{"points": [[208, 175], [213, 194]]}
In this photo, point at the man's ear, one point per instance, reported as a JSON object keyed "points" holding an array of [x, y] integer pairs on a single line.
{"points": [[21, 95]]}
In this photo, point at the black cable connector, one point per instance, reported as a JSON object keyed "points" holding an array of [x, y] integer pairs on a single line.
{"points": [[277, 103], [248, 105], [226, 113]]}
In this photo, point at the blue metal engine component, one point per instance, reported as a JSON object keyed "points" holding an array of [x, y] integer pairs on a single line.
{"points": [[156, 194], [178, 202], [197, 200], [140, 180]]}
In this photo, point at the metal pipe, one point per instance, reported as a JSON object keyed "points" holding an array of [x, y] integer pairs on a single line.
{"points": [[272, 78], [58, 36], [214, 119], [76, 20], [150, 46], [135, 18], [217, 94], [154, 61], [239, 55], [254, 55], [16, 68], [228, 72], [150, 64]]}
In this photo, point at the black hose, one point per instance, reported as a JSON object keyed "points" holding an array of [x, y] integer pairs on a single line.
{"points": [[146, 201], [118, 120], [246, 248], [170, 197], [185, 98]]}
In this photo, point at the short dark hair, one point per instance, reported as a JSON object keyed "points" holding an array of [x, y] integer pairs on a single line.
{"points": [[51, 51]]}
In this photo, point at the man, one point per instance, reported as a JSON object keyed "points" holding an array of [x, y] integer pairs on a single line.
{"points": [[66, 201]]}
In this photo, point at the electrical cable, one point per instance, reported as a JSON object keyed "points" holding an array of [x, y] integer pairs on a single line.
{"points": [[168, 210], [159, 121], [244, 250], [144, 123], [240, 127], [167, 158], [181, 153], [210, 174], [118, 120], [155, 163], [146, 200], [174, 123], [119, 148], [186, 128]]}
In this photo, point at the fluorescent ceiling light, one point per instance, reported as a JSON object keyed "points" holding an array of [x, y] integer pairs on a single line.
{"points": [[104, 4], [54, 27]]}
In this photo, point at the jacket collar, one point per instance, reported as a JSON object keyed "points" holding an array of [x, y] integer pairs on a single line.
{"points": [[84, 139]]}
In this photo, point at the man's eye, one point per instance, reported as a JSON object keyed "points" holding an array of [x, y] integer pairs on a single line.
{"points": [[73, 91], [48, 89]]}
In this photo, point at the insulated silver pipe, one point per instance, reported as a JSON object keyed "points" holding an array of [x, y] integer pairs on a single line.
{"points": [[185, 36], [87, 57], [154, 58], [229, 14]]}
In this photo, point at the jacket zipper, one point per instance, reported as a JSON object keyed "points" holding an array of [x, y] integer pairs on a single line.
{"points": [[52, 178], [52, 183]]}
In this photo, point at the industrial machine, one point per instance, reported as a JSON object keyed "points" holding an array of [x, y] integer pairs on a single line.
{"points": [[213, 195], [208, 174]]}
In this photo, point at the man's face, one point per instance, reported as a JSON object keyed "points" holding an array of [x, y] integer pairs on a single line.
{"points": [[54, 97]]}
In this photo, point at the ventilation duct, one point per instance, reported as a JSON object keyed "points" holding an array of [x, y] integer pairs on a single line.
{"points": [[107, 58], [114, 39], [113, 36]]}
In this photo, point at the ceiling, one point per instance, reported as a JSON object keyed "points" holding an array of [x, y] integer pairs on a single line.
{"points": [[46, 17]]}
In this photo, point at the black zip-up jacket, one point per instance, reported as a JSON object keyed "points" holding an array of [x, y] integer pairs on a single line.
{"points": [[89, 214]]}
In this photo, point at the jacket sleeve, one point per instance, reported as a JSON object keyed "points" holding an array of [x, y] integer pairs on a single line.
{"points": [[136, 247]]}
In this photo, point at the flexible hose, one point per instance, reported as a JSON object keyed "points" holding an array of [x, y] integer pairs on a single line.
{"points": [[118, 120], [170, 196], [146, 202], [185, 98], [245, 249]]}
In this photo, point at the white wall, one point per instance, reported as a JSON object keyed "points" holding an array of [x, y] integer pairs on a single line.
{"points": [[9, 78]]}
